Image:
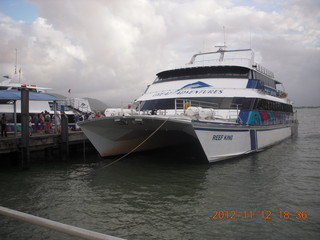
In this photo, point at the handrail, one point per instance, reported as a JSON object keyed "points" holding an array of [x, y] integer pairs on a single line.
{"points": [[180, 104], [221, 51], [60, 227]]}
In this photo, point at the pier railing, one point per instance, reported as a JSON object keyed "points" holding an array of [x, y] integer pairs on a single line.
{"points": [[56, 226]]}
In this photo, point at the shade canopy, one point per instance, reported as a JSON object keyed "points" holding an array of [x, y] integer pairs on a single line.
{"points": [[9, 95]]}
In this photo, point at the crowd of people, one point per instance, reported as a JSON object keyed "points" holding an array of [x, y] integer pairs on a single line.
{"points": [[46, 123]]}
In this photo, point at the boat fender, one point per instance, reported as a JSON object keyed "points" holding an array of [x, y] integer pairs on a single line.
{"points": [[206, 113], [193, 111]]}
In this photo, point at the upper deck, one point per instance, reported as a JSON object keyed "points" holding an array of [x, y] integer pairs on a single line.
{"points": [[221, 64], [9, 85]]}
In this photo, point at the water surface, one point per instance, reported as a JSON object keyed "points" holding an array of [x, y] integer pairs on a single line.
{"points": [[143, 197]]}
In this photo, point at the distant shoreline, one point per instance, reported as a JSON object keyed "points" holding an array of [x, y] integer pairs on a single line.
{"points": [[307, 107]]}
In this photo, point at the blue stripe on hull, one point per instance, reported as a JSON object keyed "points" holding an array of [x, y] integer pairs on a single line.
{"points": [[220, 130], [238, 130], [253, 139]]}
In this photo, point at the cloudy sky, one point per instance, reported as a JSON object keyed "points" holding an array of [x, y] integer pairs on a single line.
{"points": [[111, 49]]}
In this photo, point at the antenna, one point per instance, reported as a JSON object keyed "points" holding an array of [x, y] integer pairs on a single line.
{"points": [[16, 71], [20, 75], [224, 36], [224, 46], [15, 66]]}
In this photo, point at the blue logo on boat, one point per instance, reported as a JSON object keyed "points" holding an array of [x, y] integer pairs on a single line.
{"points": [[198, 84]]}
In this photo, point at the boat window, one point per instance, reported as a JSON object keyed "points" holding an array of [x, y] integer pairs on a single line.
{"points": [[222, 103], [158, 104], [203, 72], [243, 103], [226, 102], [263, 104], [266, 80]]}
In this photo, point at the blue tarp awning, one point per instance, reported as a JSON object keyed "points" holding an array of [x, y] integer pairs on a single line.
{"points": [[16, 95]]}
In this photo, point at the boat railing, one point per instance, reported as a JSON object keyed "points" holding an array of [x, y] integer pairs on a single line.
{"points": [[233, 114], [263, 70], [245, 62], [183, 104], [203, 110], [206, 110], [189, 108]]}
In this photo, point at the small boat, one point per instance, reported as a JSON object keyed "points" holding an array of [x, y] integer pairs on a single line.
{"points": [[219, 107]]}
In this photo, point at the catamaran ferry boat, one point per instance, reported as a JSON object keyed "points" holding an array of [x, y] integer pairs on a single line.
{"points": [[219, 107]]}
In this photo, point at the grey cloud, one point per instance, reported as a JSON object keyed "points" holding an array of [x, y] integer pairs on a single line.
{"points": [[111, 50]]}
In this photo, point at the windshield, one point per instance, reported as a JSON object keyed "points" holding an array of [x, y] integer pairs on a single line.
{"points": [[203, 72]]}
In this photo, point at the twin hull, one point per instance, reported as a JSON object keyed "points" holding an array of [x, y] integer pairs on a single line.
{"points": [[204, 141]]}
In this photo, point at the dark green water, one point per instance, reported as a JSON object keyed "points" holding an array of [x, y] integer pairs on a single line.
{"points": [[142, 197]]}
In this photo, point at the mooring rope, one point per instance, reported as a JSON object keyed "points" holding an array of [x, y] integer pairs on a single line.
{"points": [[135, 148], [122, 157]]}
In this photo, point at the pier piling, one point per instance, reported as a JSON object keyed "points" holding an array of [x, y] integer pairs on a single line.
{"points": [[25, 155], [64, 136]]}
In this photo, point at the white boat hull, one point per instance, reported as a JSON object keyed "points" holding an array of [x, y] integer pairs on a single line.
{"points": [[120, 135], [223, 142], [212, 142]]}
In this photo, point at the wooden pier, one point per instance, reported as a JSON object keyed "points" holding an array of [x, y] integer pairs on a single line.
{"points": [[12, 152], [39, 141], [18, 145]]}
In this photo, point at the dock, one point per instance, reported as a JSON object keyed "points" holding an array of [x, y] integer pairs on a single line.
{"points": [[51, 145], [39, 141], [23, 139]]}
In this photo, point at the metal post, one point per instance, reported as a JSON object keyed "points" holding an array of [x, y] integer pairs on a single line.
{"points": [[237, 112], [55, 116], [64, 135], [15, 118], [175, 106], [24, 128]]}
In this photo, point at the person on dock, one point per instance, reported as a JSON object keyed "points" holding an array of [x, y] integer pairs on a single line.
{"points": [[57, 121], [41, 120], [47, 119], [30, 126], [36, 122], [4, 125]]}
